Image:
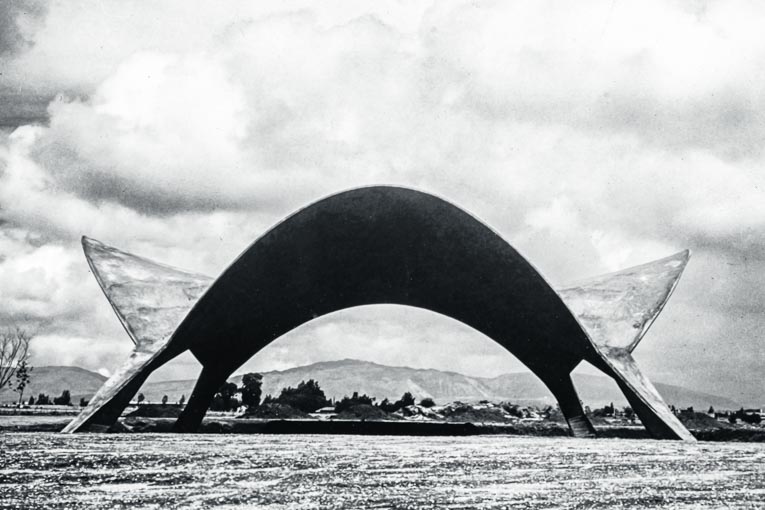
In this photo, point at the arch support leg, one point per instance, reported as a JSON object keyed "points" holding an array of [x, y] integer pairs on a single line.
{"points": [[107, 404], [645, 400], [207, 385], [571, 407]]}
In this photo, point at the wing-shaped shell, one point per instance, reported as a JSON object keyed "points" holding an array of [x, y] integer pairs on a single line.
{"points": [[617, 309]]}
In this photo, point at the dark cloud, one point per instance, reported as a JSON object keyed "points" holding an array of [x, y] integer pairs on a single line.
{"points": [[19, 105], [19, 108], [17, 20], [96, 185]]}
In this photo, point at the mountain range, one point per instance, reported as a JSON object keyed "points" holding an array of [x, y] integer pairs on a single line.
{"points": [[53, 380], [339, 378]]}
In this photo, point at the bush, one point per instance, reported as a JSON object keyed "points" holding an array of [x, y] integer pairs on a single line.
{"points": [[347, 403], [364, 412], [427, 402], [406, 400], [388, 406], [221, 404], [275, 411], [750, 418]]}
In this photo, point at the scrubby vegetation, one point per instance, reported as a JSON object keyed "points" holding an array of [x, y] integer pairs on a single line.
{"points": [[308, 401], [64, 400], [276, 411], [307, 397], [406, 400], [427, 402], [350, 402]]}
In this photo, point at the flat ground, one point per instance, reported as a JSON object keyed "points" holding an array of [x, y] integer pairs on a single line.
{"points": [[306, 472]]}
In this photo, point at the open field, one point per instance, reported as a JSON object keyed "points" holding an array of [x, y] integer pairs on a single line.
{"points": [[344, 471]]}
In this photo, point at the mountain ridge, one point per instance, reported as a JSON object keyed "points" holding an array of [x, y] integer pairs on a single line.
{"points": [[342, 377]]}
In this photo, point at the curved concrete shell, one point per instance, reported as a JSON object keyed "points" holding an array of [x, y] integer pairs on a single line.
{"points": [[380, 245]]}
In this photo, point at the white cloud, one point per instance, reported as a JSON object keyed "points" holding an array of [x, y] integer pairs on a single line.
{"points": [[592, 136]]}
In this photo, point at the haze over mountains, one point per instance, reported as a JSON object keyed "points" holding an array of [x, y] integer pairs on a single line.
{"points": [[339, 378]]}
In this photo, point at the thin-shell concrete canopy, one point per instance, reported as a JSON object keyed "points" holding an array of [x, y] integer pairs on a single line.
{"points": [[370, 246]]}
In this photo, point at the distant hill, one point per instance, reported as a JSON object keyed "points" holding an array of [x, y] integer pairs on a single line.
{"points": [[339, 378], [53, 380]]}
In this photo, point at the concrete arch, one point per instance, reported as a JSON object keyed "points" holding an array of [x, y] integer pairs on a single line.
{"points": [[366, 246]]}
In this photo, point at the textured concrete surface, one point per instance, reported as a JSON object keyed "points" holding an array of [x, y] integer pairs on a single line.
{"points": [[150, 300], [379, 245], [616, 309]]}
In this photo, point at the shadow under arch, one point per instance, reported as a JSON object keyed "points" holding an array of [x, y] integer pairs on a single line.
{"points": [[375, 245]]}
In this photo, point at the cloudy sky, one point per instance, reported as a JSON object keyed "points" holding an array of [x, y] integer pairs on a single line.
{"points": [[592, 136]]}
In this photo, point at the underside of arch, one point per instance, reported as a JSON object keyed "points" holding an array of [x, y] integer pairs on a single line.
{"points": [[370, 246]]}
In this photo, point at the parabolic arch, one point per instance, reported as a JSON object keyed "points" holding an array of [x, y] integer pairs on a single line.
{"points": [[371, 246]]}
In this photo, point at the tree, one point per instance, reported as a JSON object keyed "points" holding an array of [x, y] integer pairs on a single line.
{"points": [[164, 400], [711, 411], [22, 379], [182, 400], [83, 402], [406, 400], [14, 350], [31, 400], [43, 400], [64, 400], [140, 398], [251, 390], [308, 396], [224, 400]]}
